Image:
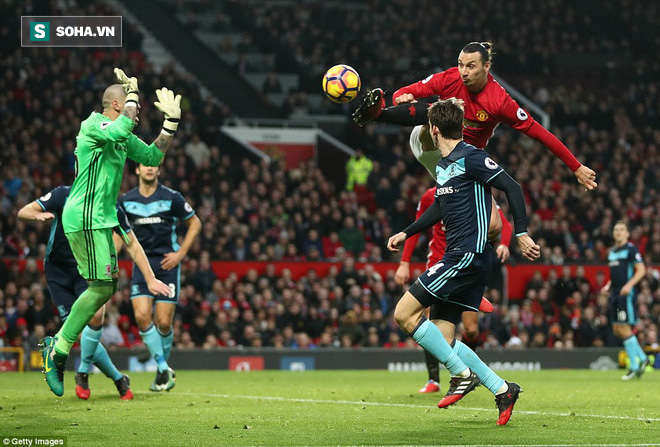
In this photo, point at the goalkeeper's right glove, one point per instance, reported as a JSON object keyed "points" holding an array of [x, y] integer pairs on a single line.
{"points": [[171, 108], [130, 87]]}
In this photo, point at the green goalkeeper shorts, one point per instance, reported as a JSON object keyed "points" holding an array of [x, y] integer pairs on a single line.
{"points": [[95, 254]]}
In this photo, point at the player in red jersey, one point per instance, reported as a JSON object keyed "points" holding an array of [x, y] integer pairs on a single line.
{"points": [[436, 252], [487, 105]]}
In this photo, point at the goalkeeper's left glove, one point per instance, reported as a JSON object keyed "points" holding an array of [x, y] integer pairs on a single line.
{"points": [[130, 87], [171, 108]]}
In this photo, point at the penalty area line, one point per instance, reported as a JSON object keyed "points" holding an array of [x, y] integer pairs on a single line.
{"points": [[390, 404]]}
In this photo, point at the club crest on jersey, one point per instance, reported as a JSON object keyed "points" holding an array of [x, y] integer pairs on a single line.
{"points": [[108, 270], [521, 114], [482, 115], [490, 163]]}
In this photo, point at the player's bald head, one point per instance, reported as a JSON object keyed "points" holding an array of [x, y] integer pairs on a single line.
{"points": [[112, 93]]}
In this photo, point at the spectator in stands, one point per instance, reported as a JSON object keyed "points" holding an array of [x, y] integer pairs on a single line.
{"points": [[358, 168], [198, 151]]}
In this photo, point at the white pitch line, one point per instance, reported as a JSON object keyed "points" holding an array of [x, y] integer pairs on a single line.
{"points": [[386, 404]]}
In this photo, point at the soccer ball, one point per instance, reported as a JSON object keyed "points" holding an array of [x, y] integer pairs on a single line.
{"points": [[341, 83]]}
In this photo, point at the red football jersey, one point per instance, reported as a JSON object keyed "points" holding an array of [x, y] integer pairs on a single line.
{"points": [[438, 241], [485, 110]]}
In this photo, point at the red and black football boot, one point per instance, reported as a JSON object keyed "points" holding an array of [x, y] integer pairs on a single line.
{"points": [[458, 388], [371, 107], [506, 401]]}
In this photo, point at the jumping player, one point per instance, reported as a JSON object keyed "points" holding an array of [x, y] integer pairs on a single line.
{"points": [[457, 282], [487, 105], [154, 211], [103, 143]]}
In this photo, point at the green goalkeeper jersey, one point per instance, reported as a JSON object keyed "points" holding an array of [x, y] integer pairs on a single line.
{"points": [[101, 151]]}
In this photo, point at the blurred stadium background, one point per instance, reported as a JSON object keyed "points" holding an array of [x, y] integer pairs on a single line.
{"points": [[289, 258]]}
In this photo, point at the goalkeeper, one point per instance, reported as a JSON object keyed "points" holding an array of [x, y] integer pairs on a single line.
{"points": [[103, 143]]}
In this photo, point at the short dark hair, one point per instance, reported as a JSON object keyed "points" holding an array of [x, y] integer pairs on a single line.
{"points": [[447, 116], [622, 222], [485, 49]]}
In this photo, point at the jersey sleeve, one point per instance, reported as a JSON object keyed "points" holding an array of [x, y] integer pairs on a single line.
{"points": [[105, 130], [181, 208], [515, 116], [141, 152], [634, 256], [432, 85], [480, 166], [123, 220], [54, 200]]}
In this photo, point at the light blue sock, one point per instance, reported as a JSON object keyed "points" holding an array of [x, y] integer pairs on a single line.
{"points": [[430, 338], [89, 340], [166, 341], [103, 362], [633, 349], [488, 377], [151, 339]]}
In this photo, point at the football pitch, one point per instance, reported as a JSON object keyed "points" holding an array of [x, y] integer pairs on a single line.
{"points": [[557, 408]]}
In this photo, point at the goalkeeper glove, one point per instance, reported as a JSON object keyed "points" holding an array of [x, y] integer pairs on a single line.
{"points": [[130, 87], [171, 108]]}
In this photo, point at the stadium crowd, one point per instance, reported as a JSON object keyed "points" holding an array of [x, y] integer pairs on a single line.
{"points": [[265, 212]]}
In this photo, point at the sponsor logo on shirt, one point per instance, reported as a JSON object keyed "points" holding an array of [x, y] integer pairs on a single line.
{"points": [[428, 78], [45, 198], [105, 124], [148, 220], [521, 114], [441, 191], [187, 207]]}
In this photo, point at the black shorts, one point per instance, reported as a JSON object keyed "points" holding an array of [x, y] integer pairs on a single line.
{"points": [[65, 285], [623, 309], [454, 285], [171, 278]]}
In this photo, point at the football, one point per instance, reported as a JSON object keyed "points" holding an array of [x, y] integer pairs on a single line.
{"points": [[341, 83]]}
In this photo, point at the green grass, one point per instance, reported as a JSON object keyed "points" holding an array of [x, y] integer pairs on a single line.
{"points": [[333, 408]]}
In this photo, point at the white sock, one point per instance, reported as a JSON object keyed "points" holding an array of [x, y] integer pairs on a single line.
{"points": [[465, 374], [503, 389]]}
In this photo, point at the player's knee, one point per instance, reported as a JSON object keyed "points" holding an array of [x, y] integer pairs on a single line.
{"points": [[143, 318], [402, 318], [426, 140], [164, 327]]}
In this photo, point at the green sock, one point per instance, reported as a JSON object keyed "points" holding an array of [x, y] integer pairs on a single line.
{"points": [[151, 339], [82, 312], [166, 341]]}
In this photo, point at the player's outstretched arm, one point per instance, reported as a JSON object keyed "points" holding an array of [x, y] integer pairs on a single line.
{"points": [[136, 252], [132, 90], [170, 105], [33, 211], [514, 196], [431, 216]]}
